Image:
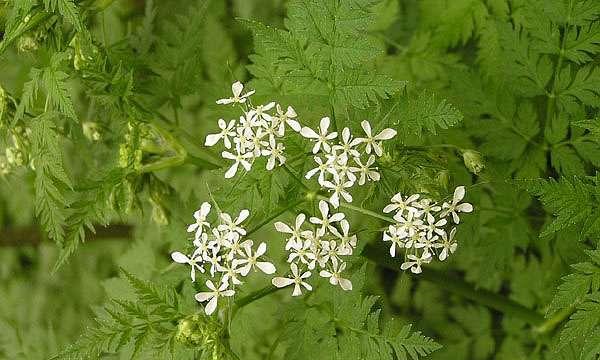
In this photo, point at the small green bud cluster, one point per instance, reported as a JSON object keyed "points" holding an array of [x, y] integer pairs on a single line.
{"points": [[473, 161], [84, 52], [91, 130], [16, 154], [130, 153], [198, 331]]}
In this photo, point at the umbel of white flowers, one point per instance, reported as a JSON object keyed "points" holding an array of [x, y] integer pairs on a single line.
{"points": [[347, 162], [340, 163], [423, 229], [324, 248], [256, 133], [222, 253]]}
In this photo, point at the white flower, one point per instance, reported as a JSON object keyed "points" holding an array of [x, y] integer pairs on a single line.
{"points": [[322, 138], [322, 168], [239, 158], [400, 205], [375, 141], [212, 296], [195, 261], [289, 117], [296, 232], [415, 263], [348, 242], [427, 206], [226, 131], [335, 277], [236, 89], [252, 260], [448, 245], [259, 113], [304, 252], [200, 216], [338, 187], [426, 243], [326, 221], [365, 170], [230, 272], [410, 225], [433, 226], [234, 225], [296, 278], [396, 237], [454, 208], [214, 260], [347, 144], [275, 153]]}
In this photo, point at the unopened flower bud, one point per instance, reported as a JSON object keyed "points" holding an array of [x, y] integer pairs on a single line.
{"points": [[27, 43], [90, 131], [473, 161]]}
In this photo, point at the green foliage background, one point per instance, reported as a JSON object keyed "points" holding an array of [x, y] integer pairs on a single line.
{"points": [[104, 106]]}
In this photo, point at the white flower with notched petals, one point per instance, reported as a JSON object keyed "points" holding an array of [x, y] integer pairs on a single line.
{"points": [[275, 154], [326, 222], [322, 138], [409, 224], [426, 206], [251, 260], [321, 169], [456, 207], [260, 114], [374, 142], [399, 205], [448, 245], [366, 171], [230, 273], [415, 262], [295, 278], [347, 241], [239, 158], [434, 225], [347, 144], [200, 216], [426, 243], [213, 296], [335, 277], [233, 225], [304, 252], [296, 231], [289, 117], [195, 261], [338, 188], [227, 130], [236, 88], [396, 237]]}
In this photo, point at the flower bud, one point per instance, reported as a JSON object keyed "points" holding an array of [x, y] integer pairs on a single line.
{"points": [[90, 130], [27, 43], [473, 161]]}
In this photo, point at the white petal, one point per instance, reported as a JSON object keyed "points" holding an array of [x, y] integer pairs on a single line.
{"points": [[464, 207], [386, 134], [203, 296], [459, 194], [366, 127], [282, 227], [345, 284], [281, 282], [243, 216], [324, 209], [228, 293], [237, 88], [325, 273], [205, 208], [266, 267], [232, 170], [294, 125], [211, 306], [324, 125], [308, 133], [297, 291], [179, 257], [212, 139], [262, 248]]}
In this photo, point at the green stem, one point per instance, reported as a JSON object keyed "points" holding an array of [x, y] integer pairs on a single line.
{"points": [[360, 210], [274, 216], [550, 324], [459, 287]]}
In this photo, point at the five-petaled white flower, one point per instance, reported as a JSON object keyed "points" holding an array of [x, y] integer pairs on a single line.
{"points": [[200, 216], [296, 278], [296, 231], [448, 245], [335, 277], [195, 261], [322, 138], [213, 296], [375, 141], [366, 171], [236, 89], [239, 158], [399, 205], [251, 260], [227, 130], [455, 207], [326, 221], [415, 263]]}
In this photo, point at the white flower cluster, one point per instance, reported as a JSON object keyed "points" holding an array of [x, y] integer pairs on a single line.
{"points": [[255, 134], [349, 161], [224, 253], [421, 228], [323, 247]]}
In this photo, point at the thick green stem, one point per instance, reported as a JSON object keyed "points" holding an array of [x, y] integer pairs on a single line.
{"points": [[550, 324], [360, 210]]}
